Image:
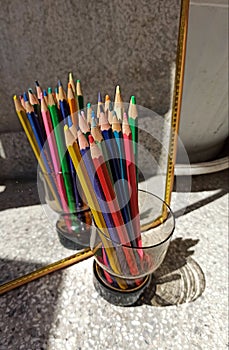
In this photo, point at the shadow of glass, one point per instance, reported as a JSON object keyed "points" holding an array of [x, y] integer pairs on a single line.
{"points": [[27, 313], [178, 280]]}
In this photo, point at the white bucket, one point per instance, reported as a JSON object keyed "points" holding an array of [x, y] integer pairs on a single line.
{"points": [[204, 112]]}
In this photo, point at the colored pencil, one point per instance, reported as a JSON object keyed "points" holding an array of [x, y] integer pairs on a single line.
{"points": [[100, 103], [57, 97], [45, 96], [89, 112], [33, 100], [72, 105], [58, 132], [54, 153], [117, 131], [98, 137], [112, 203], [71, 82], [133, 122], [79, 94], [64, 107], [34, 120], [83, 124], [22, 101], [38, 89], [118, 103], [131, 178], [78, 200], [74, 152], [32, 140], [86, 155]]}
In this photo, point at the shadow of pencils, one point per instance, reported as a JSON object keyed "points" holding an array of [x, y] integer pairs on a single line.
{"points": [[178, 280]]}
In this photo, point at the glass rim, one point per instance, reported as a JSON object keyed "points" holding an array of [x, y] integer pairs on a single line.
{"points": [[118, 244]]}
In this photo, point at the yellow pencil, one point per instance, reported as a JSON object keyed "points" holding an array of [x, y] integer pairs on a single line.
{"points": [[74, 152], [29, 133], [118, 103]]}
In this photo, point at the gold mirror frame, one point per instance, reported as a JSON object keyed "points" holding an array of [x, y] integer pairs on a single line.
{"points": [[175, 118]]}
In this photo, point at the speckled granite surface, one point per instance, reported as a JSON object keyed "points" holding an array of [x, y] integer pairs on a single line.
{"points": [[63, 311]]}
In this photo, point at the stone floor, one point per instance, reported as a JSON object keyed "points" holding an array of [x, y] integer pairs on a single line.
{"points": [[189, 309]]}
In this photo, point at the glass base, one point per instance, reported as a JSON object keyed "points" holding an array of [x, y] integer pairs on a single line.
{"points": [[117, 296], [74, 230]]}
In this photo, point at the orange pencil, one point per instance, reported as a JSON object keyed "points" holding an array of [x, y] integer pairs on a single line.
{"points": [[73, 105]]}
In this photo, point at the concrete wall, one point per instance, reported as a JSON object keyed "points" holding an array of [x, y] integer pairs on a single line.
{"points": [[103, 43]]}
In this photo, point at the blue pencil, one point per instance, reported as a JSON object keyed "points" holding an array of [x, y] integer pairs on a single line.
{"points": [[78, 199], [64, 107], [117, 131], [86, 155], [113, 155], [33, 121]]}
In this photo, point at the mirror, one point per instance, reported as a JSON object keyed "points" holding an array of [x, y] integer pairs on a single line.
{"points": [[28, 241]]}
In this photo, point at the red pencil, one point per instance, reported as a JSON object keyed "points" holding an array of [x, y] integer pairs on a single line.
{"points": [[131, 178], [112, 202]]}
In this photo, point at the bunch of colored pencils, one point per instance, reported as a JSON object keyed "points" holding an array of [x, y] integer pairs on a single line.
{"points": [[41, 115], [102, 152]]}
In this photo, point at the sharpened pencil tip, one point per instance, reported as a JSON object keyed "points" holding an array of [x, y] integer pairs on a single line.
{"points": [[69, 121], [99, 97], [65, 127], [37, 83], [107, 98], [15, 97], [49, 90], [110, 106], [133, 100], [70, 76], [90, 139], [89, 105], [78, 81], [45, 93], [25, 97], [117, 89], [59, 83], [30, 91], [93, 123], [56, 90], [101, 109]]}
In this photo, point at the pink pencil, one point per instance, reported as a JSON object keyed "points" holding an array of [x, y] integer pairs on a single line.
{"points": [[53, 152]]}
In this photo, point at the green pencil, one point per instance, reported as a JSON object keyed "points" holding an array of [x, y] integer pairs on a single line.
{"points": [[133, 122], [61, 151]]}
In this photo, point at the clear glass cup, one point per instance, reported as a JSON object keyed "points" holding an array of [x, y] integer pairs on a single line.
{"points": [[72, 223], [127, 267]]}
